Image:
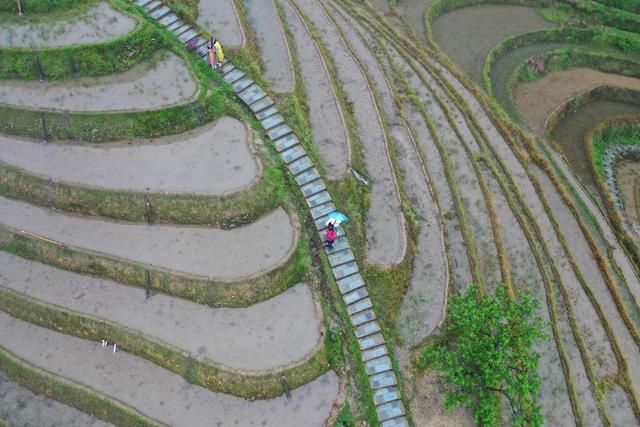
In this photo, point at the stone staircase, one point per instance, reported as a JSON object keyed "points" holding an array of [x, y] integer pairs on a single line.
{"points": [[382, 379]]}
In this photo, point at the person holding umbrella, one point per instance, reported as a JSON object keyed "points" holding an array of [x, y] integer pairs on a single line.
{"points": [[330, 235]]}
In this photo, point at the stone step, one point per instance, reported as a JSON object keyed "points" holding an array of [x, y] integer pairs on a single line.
{"points": [[259, 105], [252, 95], [285, 143], [350, 283], [292, 154], [396, 422], [279, 132], [307, 176], [181, 29], [175, 25], [272, 121], [385, 394], [203, 53], [187, 35], [390, 410], [367, 329], [234, 76], [340, 244], [143, 3], [318, 199], [362, 317], [345, 270], [379, 365], [227, 68], [370, 341], [356, 295], [341, 257], [160, 12], [385, 379], [267, 113], [359, 306], [313, 187], [242, 84], [374, 352], [152, 5], [301, 165], [169, 19]]}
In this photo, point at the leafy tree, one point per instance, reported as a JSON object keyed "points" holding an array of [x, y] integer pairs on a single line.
{"points": [[485, 351]]}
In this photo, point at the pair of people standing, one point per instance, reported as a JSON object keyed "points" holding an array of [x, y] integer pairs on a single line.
{"points": [[216, 55]]}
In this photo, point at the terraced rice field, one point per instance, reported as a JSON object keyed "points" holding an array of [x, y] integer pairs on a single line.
{"points": [[229, 310]]}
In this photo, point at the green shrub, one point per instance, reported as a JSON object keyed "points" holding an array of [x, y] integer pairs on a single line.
{"points": [[39, 6]]}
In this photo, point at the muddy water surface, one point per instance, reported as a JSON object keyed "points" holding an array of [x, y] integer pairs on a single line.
{"points": [[19, 406], [98, 23], [628, 174], [162, 81], [159, 393], [215, 159], [219, 18], [469, 33]]}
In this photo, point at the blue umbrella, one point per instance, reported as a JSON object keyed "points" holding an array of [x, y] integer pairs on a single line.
{"points": [[338, 216]]}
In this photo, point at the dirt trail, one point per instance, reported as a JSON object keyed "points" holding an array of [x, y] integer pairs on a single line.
{"points": [[215, 159], [274, 50], [214, 253], [386, 240], [159, 393], [538, 99], [219, 18], [21, 407], [98, 23], [276, 332], [331, 140], [162, 81]]}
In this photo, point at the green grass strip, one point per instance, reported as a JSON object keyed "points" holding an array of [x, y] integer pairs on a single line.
{"points": [[40, 6]]}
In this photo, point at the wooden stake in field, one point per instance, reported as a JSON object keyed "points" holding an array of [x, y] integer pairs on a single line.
{"points": [[19, 8]]}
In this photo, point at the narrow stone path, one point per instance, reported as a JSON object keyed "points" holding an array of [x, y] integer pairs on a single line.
{"points": [[22, 408], [274, 49], [219, 18], [214, 253], [215, 159], [156, 392], [386, 239], [331, 141], [162, 81], [270, 334], [98, 23]]}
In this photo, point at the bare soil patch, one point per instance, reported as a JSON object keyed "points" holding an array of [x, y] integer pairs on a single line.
{"points": [[161, 81], [98, 23], [156, 392], [628, 174], [214, 253], [215, 159]]}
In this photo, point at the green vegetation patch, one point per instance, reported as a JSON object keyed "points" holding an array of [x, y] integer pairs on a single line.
{"points": [[615, 131], [40, 6]]}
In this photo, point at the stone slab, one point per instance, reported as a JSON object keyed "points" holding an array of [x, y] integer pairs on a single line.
{"points": [[142, 3], [169, 19], [175, 25], [350, 283], [367, 329], [272, 121], [345, 270], [203, 53], [322, 210], [305, 177], [152, 5], [341, 257], [318, 199], [181, 29], [241, 84], [341, 243], [390, 410], [313, 187], [160, 12], [252, 95], [385, 394], [379, 365], [279, 132], [356, 295], [260, 104], [370, 341], [227, 68], [234, 76], [359, 306], [301, 165], [374, 352], [321, 223], [362, 317], [187, 35], [396, 422], [293, 154], [385, 379], [267, 113]]}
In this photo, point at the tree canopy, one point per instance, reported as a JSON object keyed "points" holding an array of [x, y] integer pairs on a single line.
{"points": [[485, 351]]}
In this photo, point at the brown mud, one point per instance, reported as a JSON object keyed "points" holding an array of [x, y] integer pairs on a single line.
{"points": [[628, 174]]}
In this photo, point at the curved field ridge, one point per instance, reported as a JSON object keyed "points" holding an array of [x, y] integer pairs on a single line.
{"points": [[219, 18], [21, 407], [332, 141], [386, 240], [163, 81], [273, 333], [274, 50], [214, 253], [156, 392], [99, 23], [214, 160]]}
